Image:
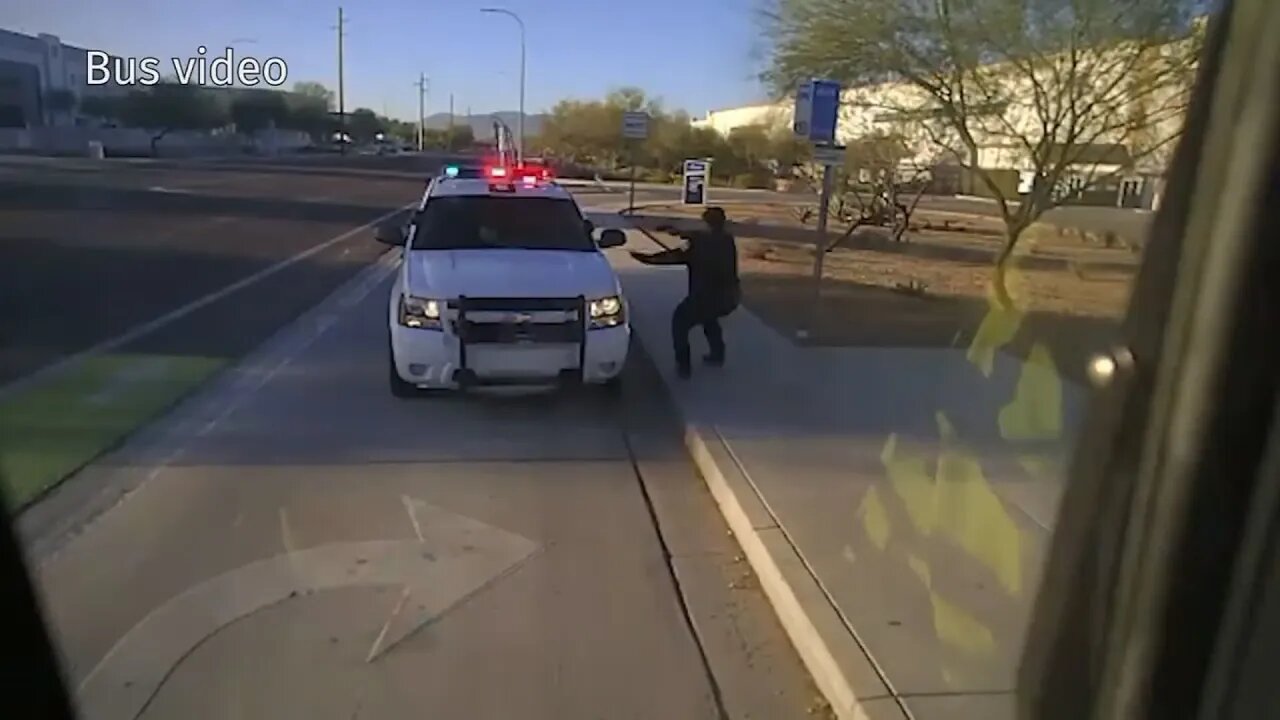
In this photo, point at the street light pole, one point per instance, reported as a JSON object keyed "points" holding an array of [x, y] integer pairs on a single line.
{"points": [[422, 126], [342, 98], [513, 16]]}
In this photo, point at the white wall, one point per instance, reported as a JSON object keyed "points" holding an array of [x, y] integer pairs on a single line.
{"points": [[137, 142], [59, 66], [724, 121]]}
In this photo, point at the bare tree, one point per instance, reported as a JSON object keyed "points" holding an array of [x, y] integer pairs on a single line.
{"points": [[880, 185], [1070, 92], [894, 179]]}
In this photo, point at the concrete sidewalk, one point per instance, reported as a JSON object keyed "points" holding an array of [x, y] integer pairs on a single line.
{"points": [[896, 503]]}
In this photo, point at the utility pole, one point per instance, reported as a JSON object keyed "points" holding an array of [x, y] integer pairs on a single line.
{"points": [[520, 23], [422, 112], [342, 97], [450, 114]]}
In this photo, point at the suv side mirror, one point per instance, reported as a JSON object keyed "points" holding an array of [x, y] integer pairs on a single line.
{"points": [[390, 233], [590, 226], [612, 238]]}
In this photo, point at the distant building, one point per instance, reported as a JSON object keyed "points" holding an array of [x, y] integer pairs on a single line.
{"points": [[768, 114], [34, 70], [1115, 166]]}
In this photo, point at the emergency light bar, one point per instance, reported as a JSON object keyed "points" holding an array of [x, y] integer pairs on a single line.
{"points": [[502, 177]]}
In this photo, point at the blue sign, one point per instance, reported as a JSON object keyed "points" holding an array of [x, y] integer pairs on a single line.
{"points": [[817, 111]]}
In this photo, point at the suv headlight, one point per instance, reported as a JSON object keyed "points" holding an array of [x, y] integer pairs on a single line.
{"points": [[606, 312], [420, 313]]}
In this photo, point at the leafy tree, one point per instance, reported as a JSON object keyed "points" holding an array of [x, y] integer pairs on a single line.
{"points": [[632, 99], [579, 131], [750, 151], [460, 137], [102, 106], [315, 91], [1047, 83], [172, 106], [309, 114], [589, 133], [363, 124], [401, 130], [788, 151], [254, 110]]}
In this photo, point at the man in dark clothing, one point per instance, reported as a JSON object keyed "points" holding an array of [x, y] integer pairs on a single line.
{"points": [[711, 254]]}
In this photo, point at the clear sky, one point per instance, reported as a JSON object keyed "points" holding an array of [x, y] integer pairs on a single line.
{"points": [[695, 54]]}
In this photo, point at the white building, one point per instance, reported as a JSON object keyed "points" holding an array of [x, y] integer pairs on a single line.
{"points": [[1120, 164], [35, 69]]}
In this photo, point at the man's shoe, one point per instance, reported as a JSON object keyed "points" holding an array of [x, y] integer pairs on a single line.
{"points": [[713, 360]]}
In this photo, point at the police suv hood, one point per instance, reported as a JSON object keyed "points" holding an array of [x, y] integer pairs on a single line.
{"points": [[500, 272]]}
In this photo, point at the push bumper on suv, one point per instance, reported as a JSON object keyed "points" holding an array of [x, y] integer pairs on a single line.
{"points": [[511, 341]]}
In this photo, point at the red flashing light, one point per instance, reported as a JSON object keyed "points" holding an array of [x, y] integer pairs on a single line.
{"points": [[535, 172], [497, 172]]}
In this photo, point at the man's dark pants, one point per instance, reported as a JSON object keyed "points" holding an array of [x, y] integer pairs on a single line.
{"points": [[691, 312]]}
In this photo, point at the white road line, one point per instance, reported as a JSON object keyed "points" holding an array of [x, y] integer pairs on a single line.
{"points": [[179, 313], [377, 642], [413, 516], [286, 534]]}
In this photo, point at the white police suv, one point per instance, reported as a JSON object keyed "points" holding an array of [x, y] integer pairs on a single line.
{"points": [[502, 282]]}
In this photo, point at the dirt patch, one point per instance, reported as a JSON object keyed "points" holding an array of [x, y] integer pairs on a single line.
{"points": [[872, 298]]}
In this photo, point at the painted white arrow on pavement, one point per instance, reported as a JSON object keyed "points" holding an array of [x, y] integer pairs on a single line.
{"points": [[454, 558]]}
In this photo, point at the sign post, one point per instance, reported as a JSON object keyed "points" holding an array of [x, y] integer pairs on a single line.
{"points": [[635, 128], [817, 114], [693, 189]]}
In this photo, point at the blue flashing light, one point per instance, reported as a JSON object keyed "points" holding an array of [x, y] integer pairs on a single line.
{"points": [[451, 171]]}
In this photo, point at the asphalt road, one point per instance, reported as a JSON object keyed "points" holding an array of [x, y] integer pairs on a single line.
{"points": [[291, 541], [89, 250]]}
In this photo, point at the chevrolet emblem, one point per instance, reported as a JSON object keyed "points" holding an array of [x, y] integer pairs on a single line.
{"points": [[520, 318]]}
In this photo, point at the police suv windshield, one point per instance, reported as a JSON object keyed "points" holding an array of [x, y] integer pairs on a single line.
{"points": [[473, 222]]}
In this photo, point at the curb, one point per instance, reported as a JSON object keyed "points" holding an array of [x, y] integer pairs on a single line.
{"points": [[835, 659], [812, 624]]}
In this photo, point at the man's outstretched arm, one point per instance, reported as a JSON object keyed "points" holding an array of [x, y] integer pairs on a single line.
{"points": [[674, 256]]}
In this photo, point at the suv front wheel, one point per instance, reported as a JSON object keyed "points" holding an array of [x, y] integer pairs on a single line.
{"points": [[399, 388]]}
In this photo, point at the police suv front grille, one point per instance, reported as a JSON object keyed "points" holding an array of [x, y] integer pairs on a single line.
{"points": [[472, 304], [518, 320], [476, 333]]}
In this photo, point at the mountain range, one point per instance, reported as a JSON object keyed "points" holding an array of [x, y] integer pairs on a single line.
{"points": [[482, 124]]}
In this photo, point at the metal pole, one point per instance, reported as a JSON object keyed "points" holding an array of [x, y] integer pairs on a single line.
{"points": [[820, 246], [513, 16], [422, 128], [342, 100], [520, 144], [631, 199]]}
